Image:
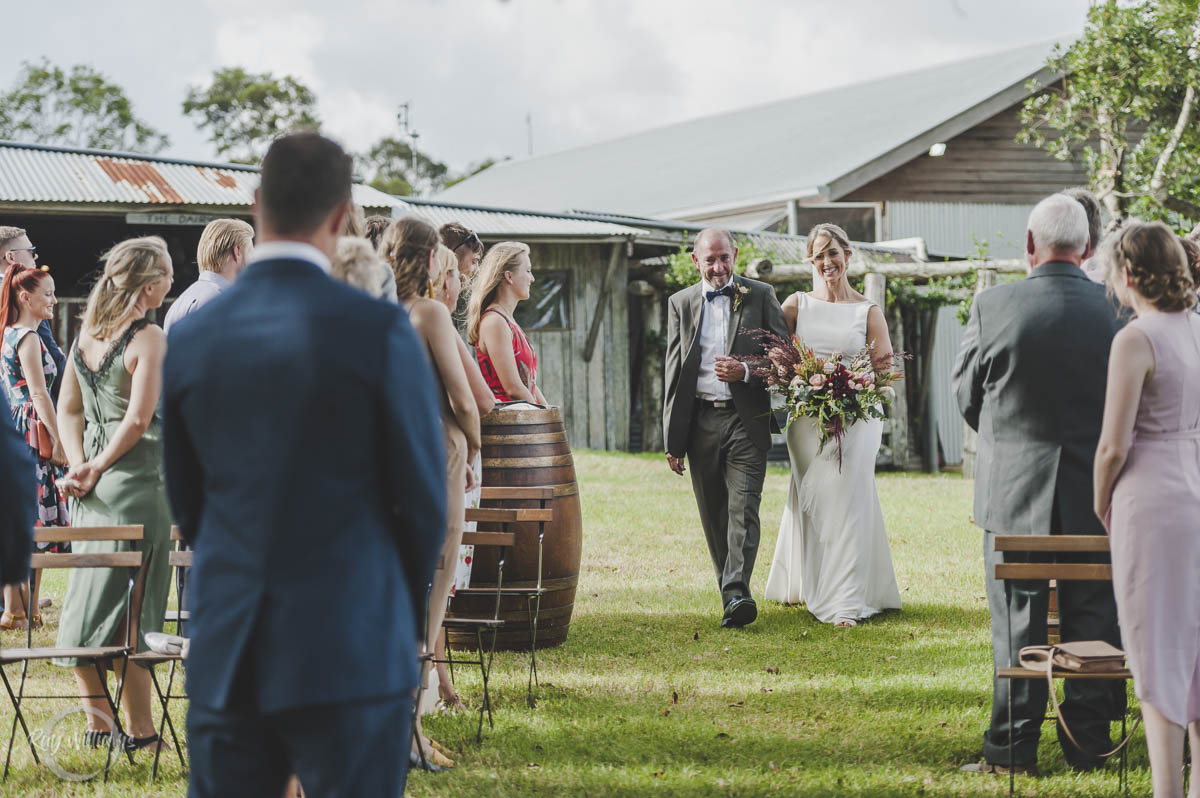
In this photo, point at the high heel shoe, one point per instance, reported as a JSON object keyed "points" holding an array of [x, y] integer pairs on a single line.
{"points": [[415, 763]]}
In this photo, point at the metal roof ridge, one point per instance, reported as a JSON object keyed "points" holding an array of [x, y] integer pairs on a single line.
{"points": [[133, 156]]}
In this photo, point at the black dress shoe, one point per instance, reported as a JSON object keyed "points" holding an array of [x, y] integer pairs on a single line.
{"points": [[415, 763], [739, 612]]}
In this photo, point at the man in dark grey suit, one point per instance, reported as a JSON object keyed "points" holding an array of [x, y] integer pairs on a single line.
{"points": [[716, 414], [1030, 378]]}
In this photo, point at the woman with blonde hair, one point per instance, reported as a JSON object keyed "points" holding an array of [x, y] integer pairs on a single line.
{"points": [[447, 280], [506, 358], [410, 246], [832, 552], [113, 442], [1147, 490], [29, 374], [355, 262]]}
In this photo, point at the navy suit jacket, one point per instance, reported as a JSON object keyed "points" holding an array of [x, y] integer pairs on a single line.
{"points": [[305, 464], [18, 499]]}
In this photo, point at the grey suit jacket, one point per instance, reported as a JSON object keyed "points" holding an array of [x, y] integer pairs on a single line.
{"points": [[758, 310], [1030, 377]]}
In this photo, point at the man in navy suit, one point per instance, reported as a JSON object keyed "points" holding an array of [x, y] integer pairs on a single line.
{"points": [[304, 459], [18, 498]]}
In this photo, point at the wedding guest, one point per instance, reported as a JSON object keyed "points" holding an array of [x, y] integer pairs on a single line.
{"points": [[16, 249], [355, 224], [410, 246], [26, 300], [506, 358], [465, 244], [1147, 477], [112, 439], [1091, 206], [315, 406], [355, 262], [1191, 248], [225, 248], [373, 229], [17, 496], [448, 279], [1030, 378]]}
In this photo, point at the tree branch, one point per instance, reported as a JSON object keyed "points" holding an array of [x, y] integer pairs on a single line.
{"points": [[1158, 181]]}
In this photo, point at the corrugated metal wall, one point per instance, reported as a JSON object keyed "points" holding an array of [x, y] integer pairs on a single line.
{"points": [[948, 227], [946, 341]]}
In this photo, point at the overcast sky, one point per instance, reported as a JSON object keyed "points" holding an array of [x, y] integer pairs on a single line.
{"points": [[584, 70]]}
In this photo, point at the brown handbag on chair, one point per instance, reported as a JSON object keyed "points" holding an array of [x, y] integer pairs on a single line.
{"points": [[1079, 656]]}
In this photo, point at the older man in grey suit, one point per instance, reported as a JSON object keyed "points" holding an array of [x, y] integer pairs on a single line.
{"points": [[717, 415], [1030, 377]]}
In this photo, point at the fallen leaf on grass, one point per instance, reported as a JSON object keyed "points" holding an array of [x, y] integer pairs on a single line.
{"points": [[773, 669], [772, 766], [666, 711], [695, 635], [804, 634], [738, 705], [722, 736], [889, 659], [658, 774], [766, 689], [534, 766], [674, 697]]}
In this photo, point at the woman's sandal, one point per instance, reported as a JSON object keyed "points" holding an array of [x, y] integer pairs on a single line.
{"points": [[138, 743], [96, 738], [844, 623], [37, 622], [10, 621]]}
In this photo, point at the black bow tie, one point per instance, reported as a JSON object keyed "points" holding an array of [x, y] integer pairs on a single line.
{"points": [[726, 291]]}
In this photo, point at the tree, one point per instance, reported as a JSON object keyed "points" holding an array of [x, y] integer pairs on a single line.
{"points": [[243, 112], [396, 167], [1127, 101], [76, 108]]}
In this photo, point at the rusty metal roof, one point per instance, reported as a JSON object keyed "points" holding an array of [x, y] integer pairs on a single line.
{"points": [[35, 173]]}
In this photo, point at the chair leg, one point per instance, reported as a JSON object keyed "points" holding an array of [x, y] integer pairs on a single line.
{"points": [[18, 716], [118, 733], [164, 700], [529, 608], [486, 705], [1012, 776]]}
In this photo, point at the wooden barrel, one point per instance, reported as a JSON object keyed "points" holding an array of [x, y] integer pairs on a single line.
{"points": [[527, 448]]}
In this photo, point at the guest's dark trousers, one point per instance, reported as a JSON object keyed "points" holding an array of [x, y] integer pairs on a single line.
{"points": [[349, 749], [1086, 611], [727, 478]]}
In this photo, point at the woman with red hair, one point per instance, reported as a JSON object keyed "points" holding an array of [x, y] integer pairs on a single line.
{"points": [[29, 373]]}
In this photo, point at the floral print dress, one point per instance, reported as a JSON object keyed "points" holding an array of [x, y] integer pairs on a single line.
{"points": [[51, 505]]}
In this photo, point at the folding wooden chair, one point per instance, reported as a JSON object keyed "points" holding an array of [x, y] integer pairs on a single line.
{"points": [[531, 593], [1059, 572], [97, 655], [180, 559], [182, 614], [505, 540]]}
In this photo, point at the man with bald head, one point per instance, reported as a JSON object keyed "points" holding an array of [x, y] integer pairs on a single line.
{"points": [[716, 415], [1030, 377]]}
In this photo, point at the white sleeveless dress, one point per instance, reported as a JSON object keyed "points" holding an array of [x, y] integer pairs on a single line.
{"points": [[832, 553]]}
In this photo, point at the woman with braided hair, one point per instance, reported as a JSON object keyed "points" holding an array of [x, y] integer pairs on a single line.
{"points": [[1147, 483]]}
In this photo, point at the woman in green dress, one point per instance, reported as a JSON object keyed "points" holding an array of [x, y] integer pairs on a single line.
{"points": [[112, 440]]}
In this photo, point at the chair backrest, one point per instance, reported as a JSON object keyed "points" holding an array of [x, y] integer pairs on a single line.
{"points": [[134, 560], [81, 534], [1053, 544]]}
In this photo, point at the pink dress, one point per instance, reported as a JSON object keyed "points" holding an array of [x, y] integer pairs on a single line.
{"points": [[1155, 524]]}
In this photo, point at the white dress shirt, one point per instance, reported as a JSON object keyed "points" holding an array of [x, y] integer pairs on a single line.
{"points": [[714, 330], [206, 288]]}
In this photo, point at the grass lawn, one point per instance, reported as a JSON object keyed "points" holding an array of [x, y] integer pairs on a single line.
{"points": [[650, 697]]}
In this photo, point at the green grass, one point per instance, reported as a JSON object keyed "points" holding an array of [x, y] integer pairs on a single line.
{"points": [[650, 697]]}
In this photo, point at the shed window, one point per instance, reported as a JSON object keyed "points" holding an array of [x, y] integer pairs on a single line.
{"points": [[549, 303]]}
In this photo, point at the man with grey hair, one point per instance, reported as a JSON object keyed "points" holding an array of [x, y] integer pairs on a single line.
{"points": [[718, 416], [1030, 378]]}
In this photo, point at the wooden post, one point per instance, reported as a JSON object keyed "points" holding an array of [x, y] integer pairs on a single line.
{"points": [[898, 415], [793, 210], [984, 279], [875, 287], [653, 356], [618, 251]]}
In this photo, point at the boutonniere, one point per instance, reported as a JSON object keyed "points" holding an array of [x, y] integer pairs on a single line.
{"points": [[740, 292]]}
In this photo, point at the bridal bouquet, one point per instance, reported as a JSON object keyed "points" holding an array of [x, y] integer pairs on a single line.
{"points": [[836, 392]]}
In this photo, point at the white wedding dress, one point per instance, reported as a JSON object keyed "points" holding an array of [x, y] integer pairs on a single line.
{"points": [[832, 553]]}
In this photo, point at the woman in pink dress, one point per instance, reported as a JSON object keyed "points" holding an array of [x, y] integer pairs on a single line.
{"points": [[1147, 477]]}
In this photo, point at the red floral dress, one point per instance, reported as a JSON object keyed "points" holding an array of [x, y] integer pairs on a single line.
{"points": [[51, 505], [522, 351]]}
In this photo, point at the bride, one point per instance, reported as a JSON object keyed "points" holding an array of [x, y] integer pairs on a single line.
{"points": [[832, 553]]}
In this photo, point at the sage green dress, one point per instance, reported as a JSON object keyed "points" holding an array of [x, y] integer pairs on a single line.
{"points": [[131, 491]]}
